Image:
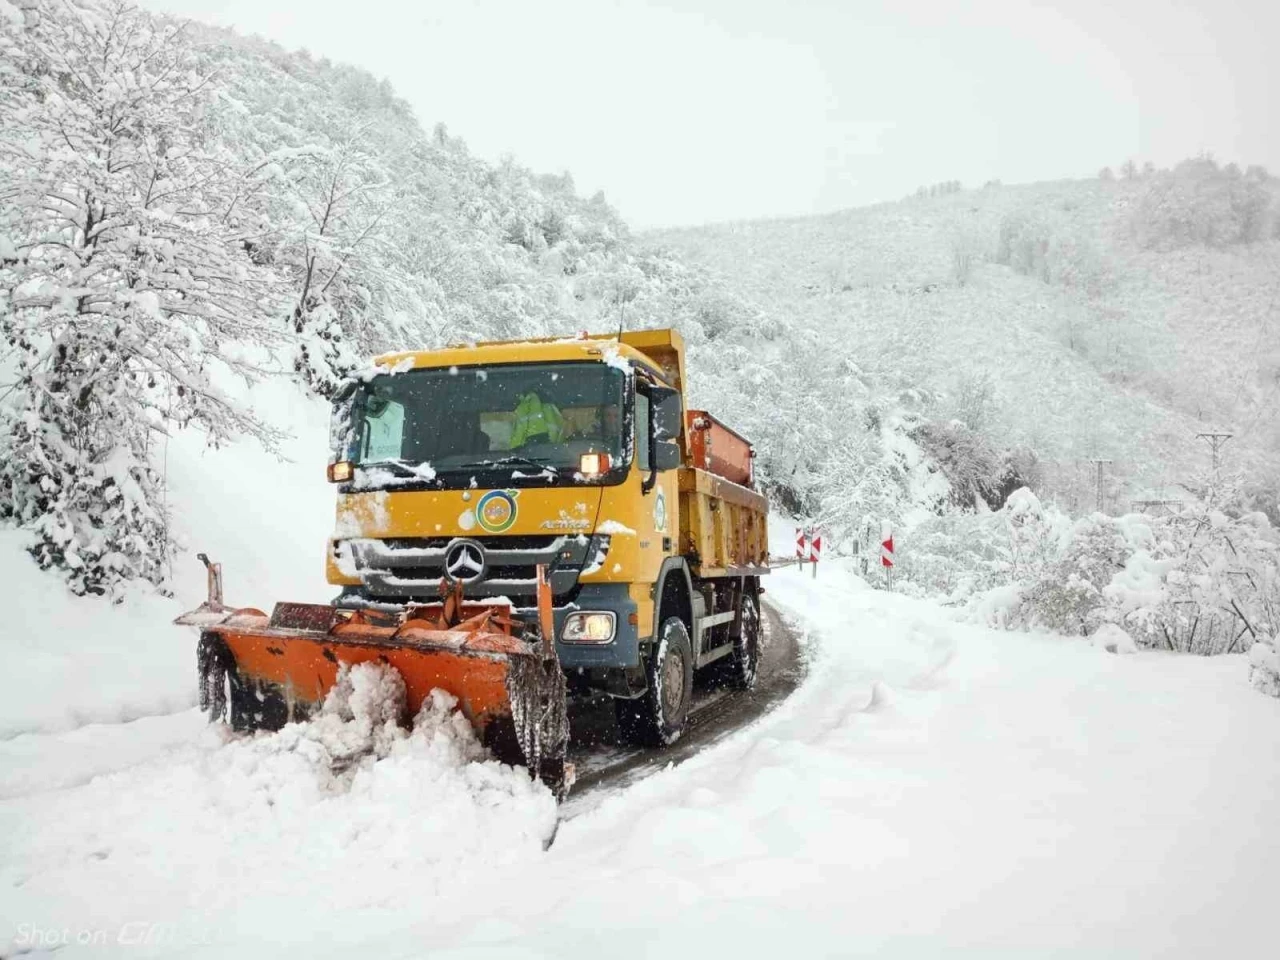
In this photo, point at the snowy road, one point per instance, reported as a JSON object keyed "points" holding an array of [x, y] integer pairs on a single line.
{"points": [[930, 786]]}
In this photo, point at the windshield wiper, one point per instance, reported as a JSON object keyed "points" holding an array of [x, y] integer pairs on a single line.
{"points": [[539, 464], [399, 467]]}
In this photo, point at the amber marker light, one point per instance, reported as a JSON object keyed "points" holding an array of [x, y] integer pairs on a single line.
{"points": [[341, 471], [593, 464]]}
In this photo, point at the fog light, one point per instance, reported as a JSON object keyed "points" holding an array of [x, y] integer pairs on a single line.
{"points": [[588, 628], [341, 471], [593, 464]]}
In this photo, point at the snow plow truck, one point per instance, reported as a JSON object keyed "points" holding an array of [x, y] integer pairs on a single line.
{"points": [[517, 523]]}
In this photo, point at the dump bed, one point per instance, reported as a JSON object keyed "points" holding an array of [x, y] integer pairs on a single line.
{"points": [[723, 526]]}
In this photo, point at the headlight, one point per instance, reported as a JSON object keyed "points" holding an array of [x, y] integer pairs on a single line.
{"points": [[589, 628]]}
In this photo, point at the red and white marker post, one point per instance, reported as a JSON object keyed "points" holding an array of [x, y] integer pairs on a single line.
{"points": [[886, 552], [808, 547], [815, 551]]}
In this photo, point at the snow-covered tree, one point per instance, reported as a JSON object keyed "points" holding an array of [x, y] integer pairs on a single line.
{"points": [[121, 281], [331, 240]]}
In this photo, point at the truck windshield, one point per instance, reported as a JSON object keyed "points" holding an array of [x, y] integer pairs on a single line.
{"points": [[528, 417]]}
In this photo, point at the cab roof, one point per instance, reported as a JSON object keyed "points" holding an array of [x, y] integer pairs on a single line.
{"points": [[645, 348]]}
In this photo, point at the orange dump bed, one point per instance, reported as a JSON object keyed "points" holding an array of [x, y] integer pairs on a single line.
{"points": [[717, 449]]}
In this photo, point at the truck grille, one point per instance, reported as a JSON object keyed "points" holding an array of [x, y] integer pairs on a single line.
{"points": [[406, 570]]}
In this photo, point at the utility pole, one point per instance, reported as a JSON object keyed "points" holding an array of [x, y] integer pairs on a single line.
{"points": [[1216, 440], [1101, 463]]}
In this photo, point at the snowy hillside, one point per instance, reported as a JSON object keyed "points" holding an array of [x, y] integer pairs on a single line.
{"points": [[1108, 318]]}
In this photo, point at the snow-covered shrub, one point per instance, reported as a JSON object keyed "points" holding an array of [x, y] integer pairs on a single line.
{"points": [[1264, 666], [955, 555], [79, 479], [1203, 583], [1068, 596], [959, 555], [1035, 534]]}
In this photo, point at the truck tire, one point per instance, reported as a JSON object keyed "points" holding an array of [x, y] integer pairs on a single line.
{"points": [[254, 707], [744, 662], [658, 718]]}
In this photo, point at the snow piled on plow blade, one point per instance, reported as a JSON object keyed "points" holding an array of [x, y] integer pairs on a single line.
{"points": [[345, 813]]}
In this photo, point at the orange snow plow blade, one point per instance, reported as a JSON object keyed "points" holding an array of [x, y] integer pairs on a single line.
{"points": [[503, 671]]}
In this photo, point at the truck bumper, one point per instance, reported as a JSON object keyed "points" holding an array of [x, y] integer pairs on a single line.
{"points": [[614, 667], [622, 651]]}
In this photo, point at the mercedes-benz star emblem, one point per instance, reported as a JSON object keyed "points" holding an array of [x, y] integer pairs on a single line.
{"points": [[464, 562]]}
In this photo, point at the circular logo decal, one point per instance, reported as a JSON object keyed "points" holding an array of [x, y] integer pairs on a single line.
{"points": [[660, 512], [496, 511]]}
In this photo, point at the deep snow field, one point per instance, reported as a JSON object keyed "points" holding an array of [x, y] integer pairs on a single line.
{"points": [[932, 786]]}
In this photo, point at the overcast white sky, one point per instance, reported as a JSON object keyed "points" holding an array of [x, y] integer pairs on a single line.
{"points": [[729, 109]]}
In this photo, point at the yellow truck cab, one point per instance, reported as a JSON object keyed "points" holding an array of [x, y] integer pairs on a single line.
{"points": [[475, 464]]}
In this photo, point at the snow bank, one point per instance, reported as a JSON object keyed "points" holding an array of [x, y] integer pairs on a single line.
{"points": [[346, 816], [74, 660]]}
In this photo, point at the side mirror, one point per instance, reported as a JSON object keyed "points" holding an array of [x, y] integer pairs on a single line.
{"points": [[667, 413]]}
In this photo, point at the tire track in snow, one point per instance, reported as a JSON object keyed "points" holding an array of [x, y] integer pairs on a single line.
{"points": [[716, 714]]}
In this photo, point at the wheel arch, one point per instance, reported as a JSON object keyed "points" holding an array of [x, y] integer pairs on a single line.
{"points": [[673, 595]]}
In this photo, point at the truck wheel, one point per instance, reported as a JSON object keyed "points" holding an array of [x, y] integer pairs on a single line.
{"points": [[744, 662], [254, 707], [657, 719], [241, 715]]}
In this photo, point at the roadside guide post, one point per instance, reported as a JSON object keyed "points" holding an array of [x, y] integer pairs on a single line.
{"points": [[886, 552], [815, 551]]}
